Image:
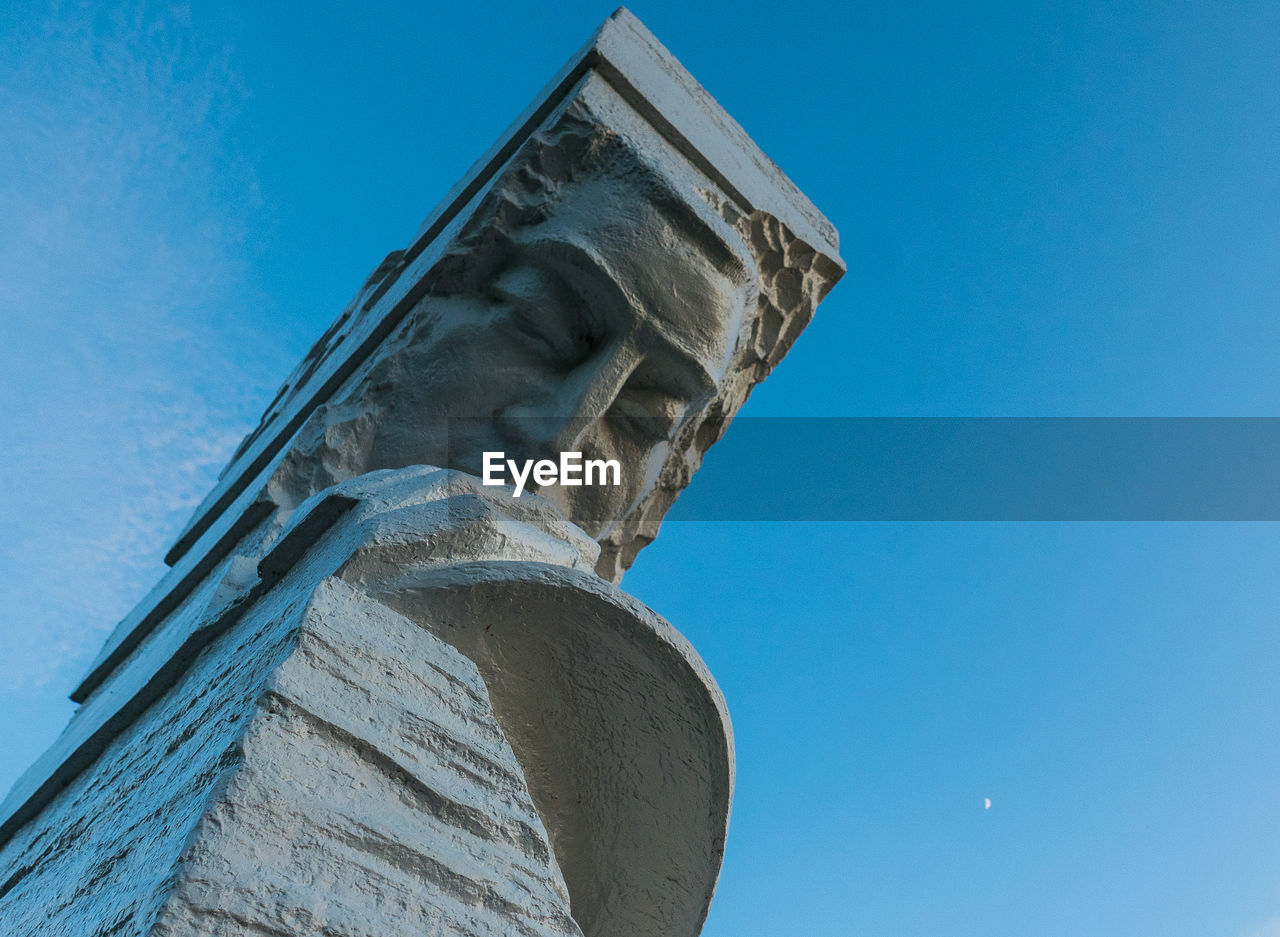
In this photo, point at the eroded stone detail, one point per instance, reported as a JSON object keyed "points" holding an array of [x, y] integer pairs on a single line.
{"points": [[339, 722], [374, 697], [100, 858], [375, 794], [603, 299], [327, 767]]}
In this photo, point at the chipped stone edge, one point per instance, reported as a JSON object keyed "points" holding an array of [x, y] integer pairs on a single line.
{"points": [[627, 56]]}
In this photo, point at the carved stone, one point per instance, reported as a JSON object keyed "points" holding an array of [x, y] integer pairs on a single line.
{"points": [[519, 725], [619, 294], [373, 696]]}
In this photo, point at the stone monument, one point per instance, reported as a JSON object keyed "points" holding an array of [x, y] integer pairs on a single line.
{"points": [[376, 695]]}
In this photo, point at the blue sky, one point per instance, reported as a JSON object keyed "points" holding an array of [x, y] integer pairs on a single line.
{"points": [[1047, 210]]}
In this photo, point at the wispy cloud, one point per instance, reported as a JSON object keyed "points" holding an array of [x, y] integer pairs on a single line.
{"points": [[126, 376]]}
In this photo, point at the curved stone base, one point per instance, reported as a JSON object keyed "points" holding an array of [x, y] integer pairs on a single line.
{"points": [[423, 713]]}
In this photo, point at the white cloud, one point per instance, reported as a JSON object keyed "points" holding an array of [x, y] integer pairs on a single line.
{"points": [[1269, 929], [126, 376]]}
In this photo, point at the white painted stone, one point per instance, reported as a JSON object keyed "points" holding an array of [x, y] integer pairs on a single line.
{"points": [[620, 153], [620, 737], [376, 697], [375, 795], [100, 856], [462, 522]]}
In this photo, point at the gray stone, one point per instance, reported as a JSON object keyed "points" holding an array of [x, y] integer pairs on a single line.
{"points": [[375, 794], [372, 696], [702, 264], [325, 763], [493, 330], [620, 737]]}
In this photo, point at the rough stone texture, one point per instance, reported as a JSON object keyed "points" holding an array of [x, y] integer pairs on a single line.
{"points": [[101, 856], [637, 264], [375, 795], [623, 736], [677, 273], [624, 745], [620, 737], [613, 278], [376, 697], [325, 768], [449, 515]]}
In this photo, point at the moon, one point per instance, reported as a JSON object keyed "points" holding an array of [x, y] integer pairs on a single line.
{"points": [[986, 803]]}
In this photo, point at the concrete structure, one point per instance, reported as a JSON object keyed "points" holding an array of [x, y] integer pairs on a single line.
{"points": [[373, 696]]}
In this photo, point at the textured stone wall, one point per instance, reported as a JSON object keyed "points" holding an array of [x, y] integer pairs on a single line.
{"points": [[376, 795], [374, 697], [325, 767], [423, 712], [100, 858]]}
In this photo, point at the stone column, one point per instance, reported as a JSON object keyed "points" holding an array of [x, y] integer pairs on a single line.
{"points": [[372, 696]]}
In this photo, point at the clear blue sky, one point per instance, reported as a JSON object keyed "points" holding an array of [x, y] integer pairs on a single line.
{"points": [[1047, 209]]}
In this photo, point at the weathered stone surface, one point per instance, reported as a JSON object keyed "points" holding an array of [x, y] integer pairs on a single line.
{"points": [[612, 278], [620, 736], [101, 856], [376, 697], [634, 265], [622, 733], [624, 743], [454, 518], [615, 306], [375, 795], [322, 765]]}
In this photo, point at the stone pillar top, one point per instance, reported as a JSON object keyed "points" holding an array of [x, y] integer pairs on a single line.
{"points": [[613, 277], [649, 79]]}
